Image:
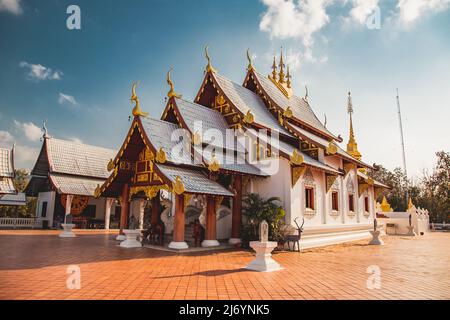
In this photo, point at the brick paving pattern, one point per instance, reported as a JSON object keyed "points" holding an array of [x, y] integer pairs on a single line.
{"points": [[33, 265]]}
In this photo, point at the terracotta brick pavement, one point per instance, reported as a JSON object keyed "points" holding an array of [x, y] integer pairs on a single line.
{"points": [[33, 265]]}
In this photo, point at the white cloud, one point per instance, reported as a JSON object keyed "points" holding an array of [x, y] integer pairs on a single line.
{"points": [[286, 19], [65, 98], [362, 9], [25, 156], [75, 139], [31, 131], [411, 10], [40, 72], [12, 6], [6, 138]]}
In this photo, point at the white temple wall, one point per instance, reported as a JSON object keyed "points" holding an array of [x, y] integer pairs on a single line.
{"points": [[277, 185], [48, 197], [333, 161]]}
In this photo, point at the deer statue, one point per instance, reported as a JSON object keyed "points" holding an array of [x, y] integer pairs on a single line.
{"points": [[295, 238]]}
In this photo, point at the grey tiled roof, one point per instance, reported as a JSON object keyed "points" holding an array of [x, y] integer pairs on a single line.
{"points": [[324, 143], [194, 181], [7, 186], [78, 159], [234, 163], [6, 163], [210, 120], [13, 199], [245, 100], [299, 107], [82, 186], [376, 183], [289, 149], [159, 133]]}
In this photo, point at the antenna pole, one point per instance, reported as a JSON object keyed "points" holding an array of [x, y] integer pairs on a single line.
{"points": [[403, 145]]}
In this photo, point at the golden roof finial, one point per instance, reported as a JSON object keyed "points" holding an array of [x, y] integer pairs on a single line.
{"points": [[274, 69], [249, 58], [171, 93], [214, 165], [288, 77], [209, 67], [352, 146], [178, 185], [281, 65], [249, 117], [306, 93], [296, 157], [137, 109]]}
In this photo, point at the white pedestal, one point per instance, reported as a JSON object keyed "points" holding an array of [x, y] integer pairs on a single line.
{"points": [[67, 233], [234, 241], [263, 260], [120, 237], [411, 232], [210, 243], [178, 245], [376, 238], [131, 239]]}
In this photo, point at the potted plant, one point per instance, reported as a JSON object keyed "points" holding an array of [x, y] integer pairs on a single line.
{"points": [[256, 209]]}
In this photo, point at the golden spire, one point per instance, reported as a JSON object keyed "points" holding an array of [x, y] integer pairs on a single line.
{"points": [[171, 93], [274, 70], [352, 146], [281, 65], [288, 77], [410, 204], [249, 58], [209, 67], [137, 109], [385, 206]]}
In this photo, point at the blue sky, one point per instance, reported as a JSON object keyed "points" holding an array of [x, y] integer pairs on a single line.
{"points": [[80, 80]]}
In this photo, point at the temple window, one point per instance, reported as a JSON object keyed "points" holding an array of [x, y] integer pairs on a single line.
{"points": [[335, 201], [366, 204], [351, 202], [309, 198], [44, 209]]}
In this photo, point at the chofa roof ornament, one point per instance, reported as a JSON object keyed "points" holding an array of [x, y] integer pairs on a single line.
{"points": [[137, 109], [209, 67], [171, 93], [178, 186], [296, 157]]}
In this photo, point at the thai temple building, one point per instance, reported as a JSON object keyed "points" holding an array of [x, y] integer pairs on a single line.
{"points": [[201, 157], [65, 175], [9, 196]]}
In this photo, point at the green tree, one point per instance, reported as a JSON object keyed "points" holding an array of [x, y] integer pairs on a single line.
{"points": [[435, 192], [256, 209]]}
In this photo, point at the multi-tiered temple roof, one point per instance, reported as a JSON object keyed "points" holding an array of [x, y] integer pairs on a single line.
{"points": [[69, 167], [7, 172]]}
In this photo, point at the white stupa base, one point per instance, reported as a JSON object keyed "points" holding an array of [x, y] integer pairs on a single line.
{"points": [[131, 239], [210, 243], [67, 233], [178, 245], [234, 241], [376, 238], [120, 237], [411, 232], [263, 261]]}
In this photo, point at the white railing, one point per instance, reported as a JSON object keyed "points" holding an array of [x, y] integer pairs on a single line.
{"points": [[19, 223]]}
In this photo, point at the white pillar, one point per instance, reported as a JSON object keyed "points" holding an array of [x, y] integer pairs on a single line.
{"points": [[68, 205], [108, 205]]}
